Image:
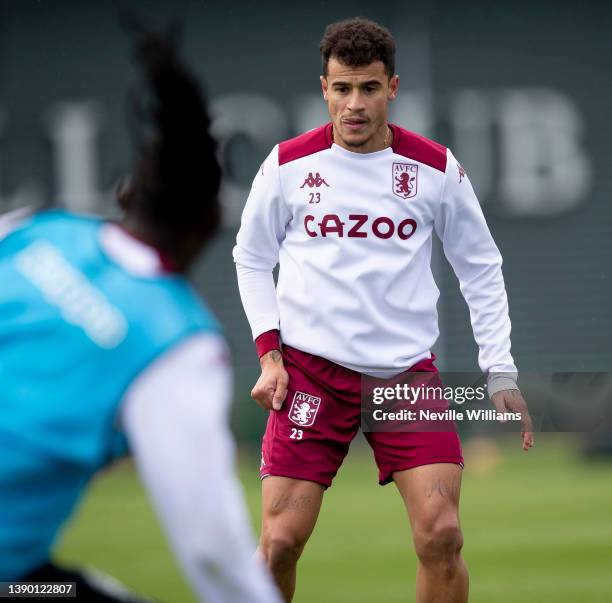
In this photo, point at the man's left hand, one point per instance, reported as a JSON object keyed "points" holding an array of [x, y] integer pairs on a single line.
{"points": [[511, 400]]}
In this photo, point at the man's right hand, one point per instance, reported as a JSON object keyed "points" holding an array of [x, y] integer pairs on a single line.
{"points": [[270, 390]]}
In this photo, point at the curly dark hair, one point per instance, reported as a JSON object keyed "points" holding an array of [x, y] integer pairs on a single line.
{"points": [[356, 42]]}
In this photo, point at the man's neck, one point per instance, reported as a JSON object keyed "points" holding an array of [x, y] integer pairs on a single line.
{"points": [[380, 141]]}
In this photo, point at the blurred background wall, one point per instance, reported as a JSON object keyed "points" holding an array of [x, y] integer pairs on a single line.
{"points": [[519, 90]]}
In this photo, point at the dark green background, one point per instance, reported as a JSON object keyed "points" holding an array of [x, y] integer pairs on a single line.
{"points": [[557, 266]]}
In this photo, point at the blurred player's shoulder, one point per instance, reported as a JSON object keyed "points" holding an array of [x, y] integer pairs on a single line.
{"points": [[13, 219], [419, 148], [309, 143]]}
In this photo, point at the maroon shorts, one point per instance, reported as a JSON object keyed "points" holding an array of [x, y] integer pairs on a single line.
{"points": [[311, 434]]}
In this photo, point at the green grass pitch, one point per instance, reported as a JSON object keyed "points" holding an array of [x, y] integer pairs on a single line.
{"points": [[537, 526]]}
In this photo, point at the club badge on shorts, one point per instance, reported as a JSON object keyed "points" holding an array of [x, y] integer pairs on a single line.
{"points": [[304, 409], [405, 178]]}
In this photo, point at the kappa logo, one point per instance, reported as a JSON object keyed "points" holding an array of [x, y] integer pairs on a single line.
{"points": [[405, 179], [315, 180], [304, 409], [461, 172]]}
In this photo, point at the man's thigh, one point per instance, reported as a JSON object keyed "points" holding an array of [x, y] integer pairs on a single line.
{"points": [[431, 494], [290, 508]]}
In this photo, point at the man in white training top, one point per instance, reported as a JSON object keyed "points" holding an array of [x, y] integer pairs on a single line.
{"points": [[348, 211]]}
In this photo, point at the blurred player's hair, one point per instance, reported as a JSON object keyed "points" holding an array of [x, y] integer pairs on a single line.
{"points": [[175, 182], [357, 42]]}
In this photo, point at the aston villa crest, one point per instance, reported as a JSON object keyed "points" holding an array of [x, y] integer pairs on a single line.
{"points": [[304, 409], [405, 179]]}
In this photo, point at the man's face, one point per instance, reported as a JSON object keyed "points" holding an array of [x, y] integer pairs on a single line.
{"points": [[357, 99]]}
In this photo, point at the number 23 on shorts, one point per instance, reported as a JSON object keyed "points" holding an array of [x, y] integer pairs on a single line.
{"points": [[296, 434]]}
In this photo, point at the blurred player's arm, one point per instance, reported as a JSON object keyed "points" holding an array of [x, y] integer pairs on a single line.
{"points": [[476, 261], [175, 417], [262, 230]]}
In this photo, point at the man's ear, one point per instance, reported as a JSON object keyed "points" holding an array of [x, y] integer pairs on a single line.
{"points": [[323, 86], [393, 87]]}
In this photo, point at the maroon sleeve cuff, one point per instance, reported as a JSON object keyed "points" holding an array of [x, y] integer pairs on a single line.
{"points": [[267, 341]]}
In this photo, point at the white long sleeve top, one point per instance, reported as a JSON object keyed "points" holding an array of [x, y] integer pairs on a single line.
{"points": [[352, 234]]}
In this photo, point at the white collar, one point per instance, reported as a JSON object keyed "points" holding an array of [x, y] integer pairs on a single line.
{"points": [[130, 253]]}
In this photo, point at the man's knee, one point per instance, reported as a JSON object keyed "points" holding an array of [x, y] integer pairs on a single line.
{"points": [[439, 542], [281, 550]]}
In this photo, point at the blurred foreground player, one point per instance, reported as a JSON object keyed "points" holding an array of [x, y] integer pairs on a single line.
{"points": [[348, 211], [102, 340]]}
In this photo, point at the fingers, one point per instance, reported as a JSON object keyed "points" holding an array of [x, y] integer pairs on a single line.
{"points": [[527, 440], [270, 392], [526, 422], [281, 391], [512, 400], [263, 398]]}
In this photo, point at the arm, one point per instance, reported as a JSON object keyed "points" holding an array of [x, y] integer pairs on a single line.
{"points": [[262, 230], [476, 261], [175, 417]]}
